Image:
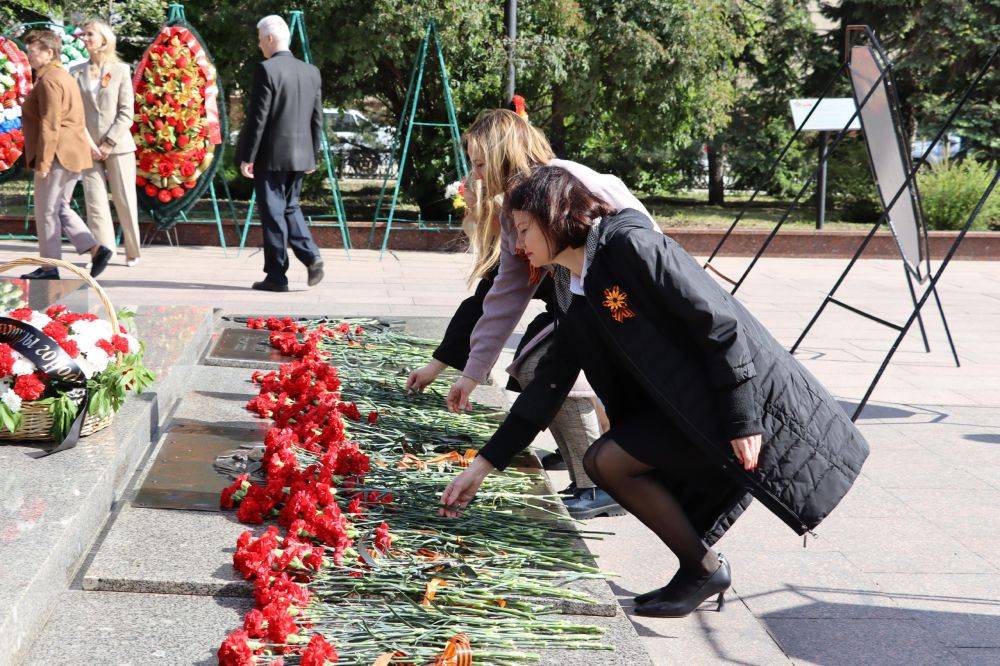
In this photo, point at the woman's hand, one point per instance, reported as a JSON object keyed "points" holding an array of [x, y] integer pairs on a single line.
{"points": [[747, 451], [463, 487], [95, 152], [421, 378], [458, 396], [105, 150]]}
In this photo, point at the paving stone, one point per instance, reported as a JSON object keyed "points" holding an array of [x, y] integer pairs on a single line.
{"points": [[841, 642], [977, 656], [807, 584], [959, 610]]}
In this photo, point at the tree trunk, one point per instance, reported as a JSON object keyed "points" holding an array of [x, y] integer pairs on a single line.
{"points": [[716, 187], [557, 130]]}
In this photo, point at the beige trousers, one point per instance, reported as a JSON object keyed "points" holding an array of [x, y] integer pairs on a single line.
{"points": [[118, 173], [54, 216], [575, 426]]}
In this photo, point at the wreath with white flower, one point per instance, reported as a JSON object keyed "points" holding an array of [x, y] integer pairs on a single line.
{"points": [[110, 360]]}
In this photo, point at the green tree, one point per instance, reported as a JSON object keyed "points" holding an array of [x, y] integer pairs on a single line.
{"points": [[780, 46], [622, 85], [937, 46]]}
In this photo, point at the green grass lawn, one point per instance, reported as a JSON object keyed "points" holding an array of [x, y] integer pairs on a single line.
{"points": [[691, 210], [681, 210]]}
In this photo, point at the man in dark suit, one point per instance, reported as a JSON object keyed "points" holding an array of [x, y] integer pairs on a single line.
{"points": [[277, 146]]}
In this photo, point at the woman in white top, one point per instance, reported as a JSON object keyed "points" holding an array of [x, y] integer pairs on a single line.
{"points": [[108, 102]]}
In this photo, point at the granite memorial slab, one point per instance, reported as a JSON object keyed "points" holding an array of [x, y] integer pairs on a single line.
{"points": [[195, 462], [245, 348]]}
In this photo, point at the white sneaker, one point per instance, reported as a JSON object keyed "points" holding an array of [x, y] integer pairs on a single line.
{"points": [[131, 262]]}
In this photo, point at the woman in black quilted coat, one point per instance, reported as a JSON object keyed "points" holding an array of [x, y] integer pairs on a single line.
{"points": [[707, 410]]}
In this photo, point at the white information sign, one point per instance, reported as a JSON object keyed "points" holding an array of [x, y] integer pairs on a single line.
{"points": [[830, 116]]}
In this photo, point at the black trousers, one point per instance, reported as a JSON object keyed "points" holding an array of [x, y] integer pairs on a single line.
{"points": [[283, 222]]}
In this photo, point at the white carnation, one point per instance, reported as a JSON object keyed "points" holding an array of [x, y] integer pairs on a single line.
{"points": [[98, 360], [12, 400], [39, 319], [22, 366], [85, 367]]}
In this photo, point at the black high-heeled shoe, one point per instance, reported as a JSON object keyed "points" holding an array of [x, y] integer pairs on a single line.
{"points": [[686, 591]]}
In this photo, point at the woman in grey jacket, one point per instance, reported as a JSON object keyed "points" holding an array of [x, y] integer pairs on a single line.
{"points": [[108, 102]]}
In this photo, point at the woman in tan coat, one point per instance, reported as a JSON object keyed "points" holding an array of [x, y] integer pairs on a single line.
{"points": [[55, 146], [106, 87]]}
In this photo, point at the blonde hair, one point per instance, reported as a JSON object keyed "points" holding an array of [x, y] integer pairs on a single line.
{"points": [[509, 146], [110, 40]]}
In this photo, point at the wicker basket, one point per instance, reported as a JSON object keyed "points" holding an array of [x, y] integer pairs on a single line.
{"points": [[36, 421]]}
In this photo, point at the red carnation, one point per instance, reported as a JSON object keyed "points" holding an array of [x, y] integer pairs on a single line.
{"points": [[21, 314], [372, 417], [350, 410], [70, 347], [6, 359], [56, 331], [235, 651], [30, 387], [253, 624], [178, 192], [140, 181], [164, 196], [187, 168], [189, 183], [279, 623], [183, 140], [120, 344], [166, 168], [151, 190], [318, 652]]}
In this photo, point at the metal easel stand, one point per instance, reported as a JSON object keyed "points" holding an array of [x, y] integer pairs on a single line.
{"points": [[407, 121], [932, 288], [297, 26]]}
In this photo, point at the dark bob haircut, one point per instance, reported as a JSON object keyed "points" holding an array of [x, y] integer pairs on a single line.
{"points": [[560, 202]]}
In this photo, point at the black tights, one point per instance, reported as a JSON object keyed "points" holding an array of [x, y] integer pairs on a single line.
{"points": [[636, 486]]}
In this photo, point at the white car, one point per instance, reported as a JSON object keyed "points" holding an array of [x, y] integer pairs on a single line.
{"points": [[362, 148]]}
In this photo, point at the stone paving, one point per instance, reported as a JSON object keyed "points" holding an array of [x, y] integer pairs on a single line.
{"points": [[906, 569]]}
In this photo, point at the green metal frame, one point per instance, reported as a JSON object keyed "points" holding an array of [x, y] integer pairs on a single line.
{"points": [[407, 121], [297, 26]]}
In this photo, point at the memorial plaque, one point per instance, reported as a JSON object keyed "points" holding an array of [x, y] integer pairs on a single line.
{"points": [[185, 474], [245, 348]]}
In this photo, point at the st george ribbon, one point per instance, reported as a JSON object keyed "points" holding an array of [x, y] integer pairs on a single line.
{"points": [[46, 354]]}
